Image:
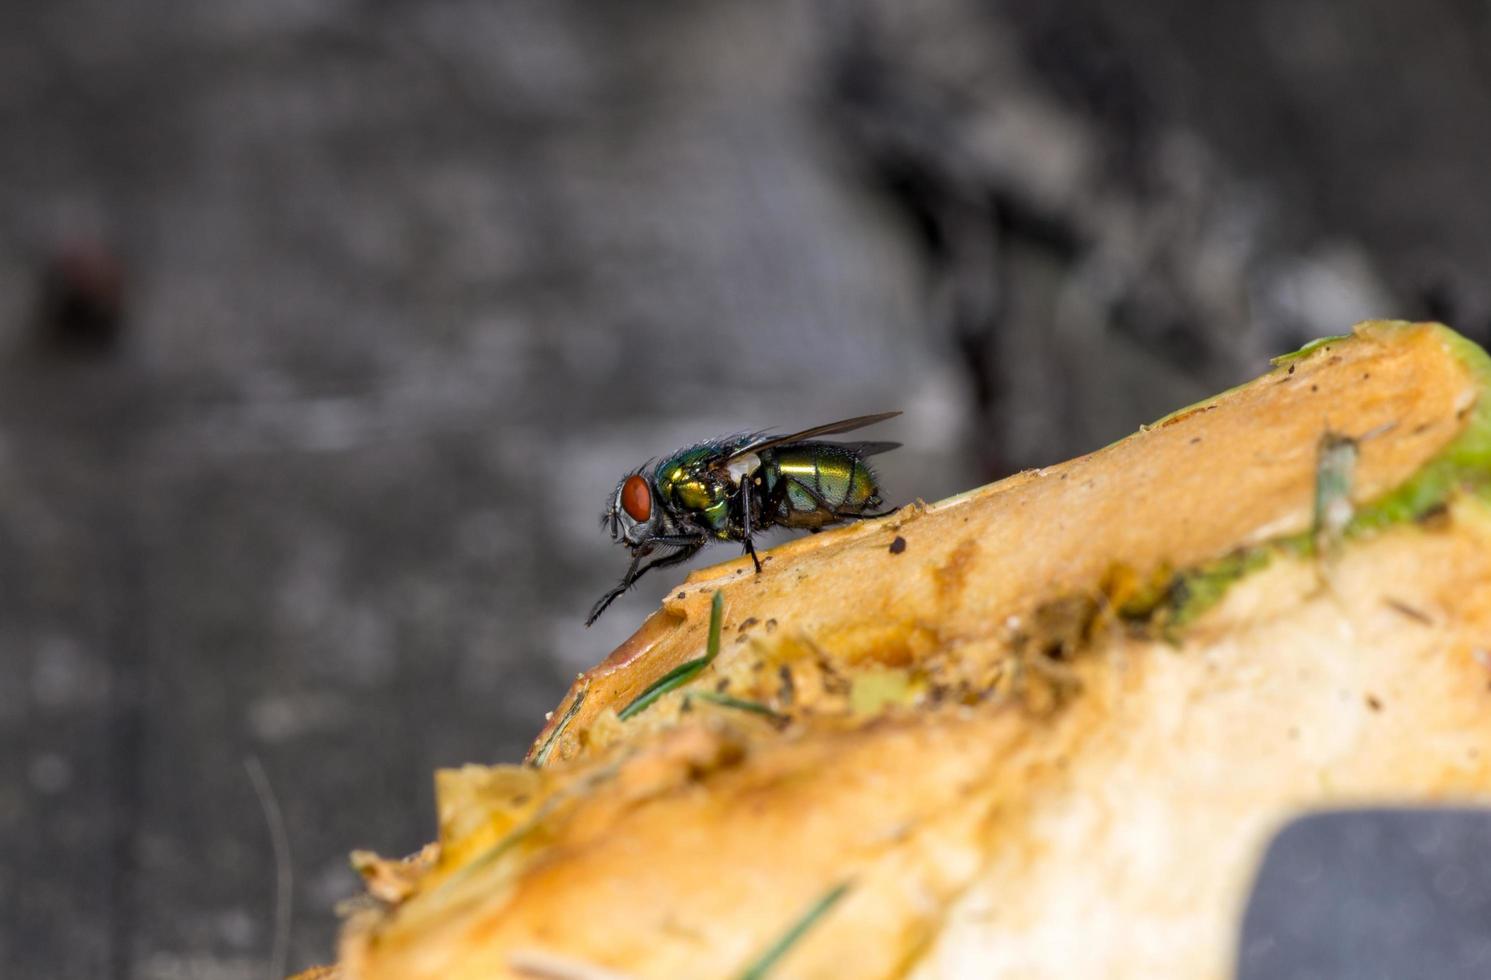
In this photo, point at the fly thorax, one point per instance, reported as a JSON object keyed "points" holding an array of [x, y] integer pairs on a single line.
{"points": [[695, 494]]}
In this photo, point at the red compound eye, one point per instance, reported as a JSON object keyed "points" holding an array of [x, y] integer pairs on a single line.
{"points": [[636, 499]]}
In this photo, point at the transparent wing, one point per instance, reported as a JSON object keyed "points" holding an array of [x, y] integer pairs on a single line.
{"points": [[832, 428], [870, 448]]}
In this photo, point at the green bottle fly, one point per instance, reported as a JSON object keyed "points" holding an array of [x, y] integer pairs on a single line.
{"points": [[731, 489]]}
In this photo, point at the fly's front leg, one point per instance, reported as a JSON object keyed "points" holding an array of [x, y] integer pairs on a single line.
{"points": [[685, 547], [619, 590]]}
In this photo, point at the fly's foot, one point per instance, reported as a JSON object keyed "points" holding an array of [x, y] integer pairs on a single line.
{"points": [[750, 549]]}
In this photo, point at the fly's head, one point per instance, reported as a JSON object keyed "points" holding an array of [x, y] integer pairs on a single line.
{"points": [[634, 516]]}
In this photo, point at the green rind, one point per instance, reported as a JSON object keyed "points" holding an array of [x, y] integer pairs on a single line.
{"points": [[1198, 590], [1308, 349], [1464, 464]]}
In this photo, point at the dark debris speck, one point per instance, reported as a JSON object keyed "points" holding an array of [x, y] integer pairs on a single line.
{"points": [[1411, 612], [1436, 517], [898, 545], [788, 689]]}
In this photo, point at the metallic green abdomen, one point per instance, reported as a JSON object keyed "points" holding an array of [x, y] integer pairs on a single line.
{"points": [[814, 484]]}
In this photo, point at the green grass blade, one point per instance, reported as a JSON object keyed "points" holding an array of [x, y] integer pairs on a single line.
{"points": [[716, 621], [684, 672], [764, 963], [672, 680], [739, 704], [542, 755], [1334, 466]]}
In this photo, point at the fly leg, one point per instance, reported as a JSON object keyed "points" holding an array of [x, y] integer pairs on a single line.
{"points": [[750, 547], [685, 547], [745, 499]]}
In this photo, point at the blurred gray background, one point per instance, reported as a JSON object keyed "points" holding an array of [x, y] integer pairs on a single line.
{"points": [[326, 328]]}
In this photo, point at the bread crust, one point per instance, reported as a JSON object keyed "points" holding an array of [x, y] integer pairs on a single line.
{"points": [[1001, 770]]}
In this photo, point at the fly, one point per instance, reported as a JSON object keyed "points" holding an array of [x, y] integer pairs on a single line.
{"points": [[731, 489]]}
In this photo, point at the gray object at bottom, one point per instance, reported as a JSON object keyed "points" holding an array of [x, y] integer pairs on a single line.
{"points": [[1373, 894]]}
